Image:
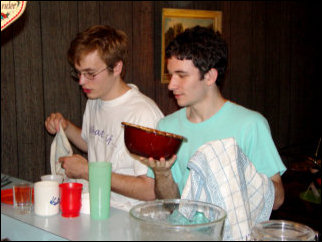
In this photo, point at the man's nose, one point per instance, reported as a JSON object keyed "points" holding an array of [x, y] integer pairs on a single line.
{"points": [[82, 79], [172, 83]]}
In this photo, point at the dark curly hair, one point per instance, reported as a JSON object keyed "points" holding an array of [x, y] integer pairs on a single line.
{"points": [[205, 47]]}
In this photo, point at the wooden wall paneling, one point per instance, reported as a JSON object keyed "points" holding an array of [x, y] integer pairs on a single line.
{"points": [[143, 49], [178, 4], [88, 15], [306, 83], [226, 15], [274, 27], [314, 40], [311, 77], [119, 15], [9, 150], [287, 149], [283, 134], [206, 5], [304, 78], [29, 95], [295, 90], [61, 91], [226, 33], [240, 53], [257, 67]]}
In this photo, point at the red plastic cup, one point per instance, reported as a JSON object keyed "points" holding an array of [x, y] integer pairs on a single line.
{"points": [[70, 199]]}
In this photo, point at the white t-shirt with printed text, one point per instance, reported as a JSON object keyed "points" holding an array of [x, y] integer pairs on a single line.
{"points": [[104, 134]]}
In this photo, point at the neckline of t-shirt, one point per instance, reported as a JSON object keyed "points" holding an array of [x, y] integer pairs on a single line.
{"points": [[121, 99], [226, 105]]}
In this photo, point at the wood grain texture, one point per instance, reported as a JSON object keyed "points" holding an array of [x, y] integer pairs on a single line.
{"points": [[29, 95], [9, 149], [143, 49]]}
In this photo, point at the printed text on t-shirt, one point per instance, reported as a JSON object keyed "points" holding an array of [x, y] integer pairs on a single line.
{"points": [[107, 138]]}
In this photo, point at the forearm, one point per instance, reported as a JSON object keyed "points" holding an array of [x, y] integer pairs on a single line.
{"points": [[165, 187], [279, 191], [73, 133], [137, 187]]}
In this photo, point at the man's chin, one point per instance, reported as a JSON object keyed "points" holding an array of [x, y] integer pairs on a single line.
{"points": [[90, 96], [181, 104]]}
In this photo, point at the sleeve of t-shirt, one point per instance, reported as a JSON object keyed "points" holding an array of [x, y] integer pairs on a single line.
{"points": [[261, 149]]}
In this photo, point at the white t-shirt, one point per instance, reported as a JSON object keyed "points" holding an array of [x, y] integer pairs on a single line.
{"points": [[104, 134]]}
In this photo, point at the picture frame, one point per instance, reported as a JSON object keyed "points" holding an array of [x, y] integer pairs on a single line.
{"points": [[175, 21]]}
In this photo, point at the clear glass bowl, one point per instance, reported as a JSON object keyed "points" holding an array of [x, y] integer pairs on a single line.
{"points": [[169, 220], [282, 230]]}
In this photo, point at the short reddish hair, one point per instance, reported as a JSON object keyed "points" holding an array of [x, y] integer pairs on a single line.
{"points": [[110, 43]]}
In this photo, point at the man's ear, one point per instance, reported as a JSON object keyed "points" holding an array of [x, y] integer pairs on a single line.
{"points": [[118, 68], [211, 76]]}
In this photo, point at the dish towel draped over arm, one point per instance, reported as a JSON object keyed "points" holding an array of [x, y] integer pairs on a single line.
{"points": [[221, 174], [61, 147]]}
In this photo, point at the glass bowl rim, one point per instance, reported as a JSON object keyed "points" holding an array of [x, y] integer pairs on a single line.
{"points": [[177, 201], [307, 231]]}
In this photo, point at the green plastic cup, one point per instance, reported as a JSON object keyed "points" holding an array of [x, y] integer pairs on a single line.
{"points": [[100, 189]]}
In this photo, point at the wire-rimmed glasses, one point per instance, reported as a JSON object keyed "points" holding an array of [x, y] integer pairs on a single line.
{"points": [[88, 75]]}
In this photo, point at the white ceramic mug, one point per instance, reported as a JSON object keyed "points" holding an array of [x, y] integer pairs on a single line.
{"points": [[85, 203], [46, 198], [51, 177]]}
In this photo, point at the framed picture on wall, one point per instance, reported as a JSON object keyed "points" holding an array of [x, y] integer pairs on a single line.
{"points": [[175, 21]]}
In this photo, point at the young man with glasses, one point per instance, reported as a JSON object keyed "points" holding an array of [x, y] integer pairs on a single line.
{"points": [[98, 56]]}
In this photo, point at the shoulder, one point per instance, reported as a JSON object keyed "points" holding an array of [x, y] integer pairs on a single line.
{"points": [[141, 101], [137, 97], [141, 108], [246, 116]]}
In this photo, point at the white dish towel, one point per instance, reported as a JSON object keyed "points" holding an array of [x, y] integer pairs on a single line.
{"points": [[221, 174], [61, 147]]}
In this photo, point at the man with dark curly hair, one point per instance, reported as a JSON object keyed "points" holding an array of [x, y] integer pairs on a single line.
{"points": [[197, 62]]}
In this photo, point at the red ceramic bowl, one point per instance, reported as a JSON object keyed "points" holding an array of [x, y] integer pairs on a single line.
{"points": [[148, 142]]}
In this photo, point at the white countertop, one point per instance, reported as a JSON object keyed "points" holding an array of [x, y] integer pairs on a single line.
{"points": [[33, 227]]}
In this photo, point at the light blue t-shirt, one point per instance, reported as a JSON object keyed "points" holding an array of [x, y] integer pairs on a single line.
{"points": [[249, 128]]}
